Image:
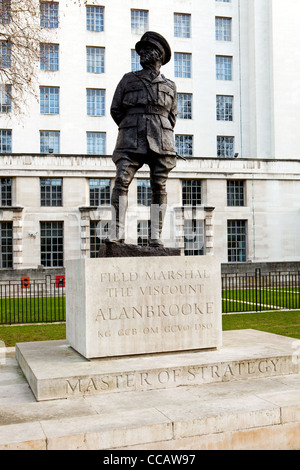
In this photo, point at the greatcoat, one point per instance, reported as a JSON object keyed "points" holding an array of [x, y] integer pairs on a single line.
{"points": [[145, 111]]}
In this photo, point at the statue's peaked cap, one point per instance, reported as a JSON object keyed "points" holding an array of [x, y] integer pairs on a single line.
{"points": [[156, 39]]}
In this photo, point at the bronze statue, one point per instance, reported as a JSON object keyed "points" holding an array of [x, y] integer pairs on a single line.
{"points": [[144, 108]]}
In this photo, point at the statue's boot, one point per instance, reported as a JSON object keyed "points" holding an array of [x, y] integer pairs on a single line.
{"points": [[119, 202], [157, 215]]}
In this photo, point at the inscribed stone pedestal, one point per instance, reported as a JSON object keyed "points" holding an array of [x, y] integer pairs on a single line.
{"points": [[128, 306]]}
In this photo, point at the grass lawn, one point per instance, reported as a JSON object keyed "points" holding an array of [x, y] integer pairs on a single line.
{"points": [[286, 323], [246, 300], [13, 334]]}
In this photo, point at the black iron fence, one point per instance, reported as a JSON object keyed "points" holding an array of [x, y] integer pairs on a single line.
{"points": [[32, 301], [44, 301], [258, 292]]}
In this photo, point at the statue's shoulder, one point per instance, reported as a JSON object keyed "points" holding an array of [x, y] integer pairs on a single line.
{"points": [[169, 82]]}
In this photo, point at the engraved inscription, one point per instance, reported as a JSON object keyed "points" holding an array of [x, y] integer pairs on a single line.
{"points": [[177, 375], [150, 311]]}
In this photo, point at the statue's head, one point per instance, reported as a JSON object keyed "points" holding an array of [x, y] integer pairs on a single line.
{"points": [[152, 48]]}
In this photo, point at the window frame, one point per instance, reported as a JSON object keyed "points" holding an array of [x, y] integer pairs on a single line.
{"points": [[49, 14], [94, 21], [95, 102], [49, 105], [95, 240], [194, 237], [184, 144], [224, 68], [100, 193], [180, 26], [235, 193], [49, 57], [185, 106], [45, 142], [143, 192], [96, 143], [138, 26], [191, 192], [6, 244], [95, 59], [183, 65], [237, 232], [223, 28], [6, 191], [51, 192], [51, 255], [228, 146], [143, 230], [5, 141]]}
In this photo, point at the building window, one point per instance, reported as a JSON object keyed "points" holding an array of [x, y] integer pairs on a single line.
{"points": [[5, 54], [182, 25], [224, 107], [51, 192], [96, 143], [184, 145], [5, 11], [191, 192], [49, 58], [95, 102], [225, 147], [6, 245], [99, 192], [235, 193], [49, 100], [6, 192], [223, 29], [237, 241], [49, 141], [143, 232], [135, 61], [52, 244], [49, 14], [194, 237], [98, 234], [224, 67], [184, 105], [144, 192], [139, 21], [5, 141], [183, 65], [95, 59], [5, 98], [95, 18]]}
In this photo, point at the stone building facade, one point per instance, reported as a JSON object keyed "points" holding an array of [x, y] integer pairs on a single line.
{"points": [[235, 63]]}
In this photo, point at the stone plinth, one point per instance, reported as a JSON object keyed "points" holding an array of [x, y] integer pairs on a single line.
{"points": [[129, 306]]}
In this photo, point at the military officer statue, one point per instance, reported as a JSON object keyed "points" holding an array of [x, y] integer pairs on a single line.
{"points": [[144, 108]]}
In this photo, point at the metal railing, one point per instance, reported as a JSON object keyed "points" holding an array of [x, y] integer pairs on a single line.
{"points": [[258, 292], [37, 301], [44, 301]]}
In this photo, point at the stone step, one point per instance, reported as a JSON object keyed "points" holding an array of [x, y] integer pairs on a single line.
{"points": [[55, 371], [256, 413]]}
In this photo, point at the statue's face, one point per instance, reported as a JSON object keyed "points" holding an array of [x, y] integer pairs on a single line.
{"points": [[149, 55]]}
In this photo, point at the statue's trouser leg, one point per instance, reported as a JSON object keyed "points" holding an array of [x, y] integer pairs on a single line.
{"points": [[119, 199]]}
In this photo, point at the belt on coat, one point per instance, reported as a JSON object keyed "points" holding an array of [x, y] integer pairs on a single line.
{"points": [[148, 109]]}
